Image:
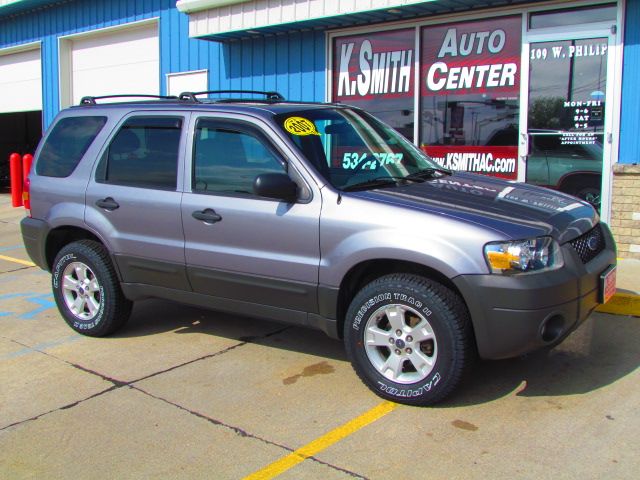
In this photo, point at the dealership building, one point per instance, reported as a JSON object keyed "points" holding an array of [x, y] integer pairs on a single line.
{"points": [[544, 92]]}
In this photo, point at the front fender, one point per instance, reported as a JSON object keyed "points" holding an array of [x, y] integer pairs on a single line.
{"points": [[389, 244], [357, 230]]}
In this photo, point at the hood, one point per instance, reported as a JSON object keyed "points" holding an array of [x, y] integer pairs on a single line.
{"points": [[515, 209]]}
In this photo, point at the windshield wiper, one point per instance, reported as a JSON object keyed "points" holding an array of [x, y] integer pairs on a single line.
{"points": [[427, 173], [382, 181], [374, 182]]}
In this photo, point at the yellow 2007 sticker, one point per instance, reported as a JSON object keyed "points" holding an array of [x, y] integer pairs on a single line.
{"points": [[300, 126]]}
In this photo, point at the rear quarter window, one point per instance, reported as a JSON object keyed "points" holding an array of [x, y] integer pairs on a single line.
{"points": [[66, 145]]}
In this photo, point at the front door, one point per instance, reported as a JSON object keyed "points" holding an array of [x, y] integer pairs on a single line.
{"points": [[566, 127], [239, 246]]}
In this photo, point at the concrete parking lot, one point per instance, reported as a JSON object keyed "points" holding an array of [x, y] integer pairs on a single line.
{"points": [[187, 393]]}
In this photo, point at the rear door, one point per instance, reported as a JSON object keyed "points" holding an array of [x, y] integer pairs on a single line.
{"points": [[133, 199], [252, 249]]}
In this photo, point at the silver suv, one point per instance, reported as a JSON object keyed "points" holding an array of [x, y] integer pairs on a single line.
{"points": [[316, 215]]}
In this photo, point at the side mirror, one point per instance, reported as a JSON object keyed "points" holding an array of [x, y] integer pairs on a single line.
{"points": [[276, 185]]}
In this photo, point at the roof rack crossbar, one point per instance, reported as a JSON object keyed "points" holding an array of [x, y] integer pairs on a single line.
{"points": [[191, 96], [90, 100]]}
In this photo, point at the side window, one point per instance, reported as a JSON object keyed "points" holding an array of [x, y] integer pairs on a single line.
{"points": [[67, 143], [228, 158], [143, 153]]}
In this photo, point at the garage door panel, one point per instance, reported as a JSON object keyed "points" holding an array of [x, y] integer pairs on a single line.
{"points": [[125, 61], [21, 82], [122, 79], [136, 46]]}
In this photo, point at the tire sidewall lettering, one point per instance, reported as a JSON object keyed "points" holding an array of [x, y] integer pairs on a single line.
{"points": [[410, 392], [367, 305], [59, 267], [388, 297]]}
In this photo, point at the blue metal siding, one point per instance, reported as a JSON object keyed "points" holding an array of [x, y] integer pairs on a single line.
{"points": [[630, 115], [292, 64]]}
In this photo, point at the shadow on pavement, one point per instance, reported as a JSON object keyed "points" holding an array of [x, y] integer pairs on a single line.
{"points": [[151, 317], [603, 350]]}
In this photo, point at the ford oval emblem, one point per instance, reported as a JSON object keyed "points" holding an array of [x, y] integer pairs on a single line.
{"points": [[592, 243]]}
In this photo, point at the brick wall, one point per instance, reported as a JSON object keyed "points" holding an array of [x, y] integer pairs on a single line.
{"points": [[625, 209]]}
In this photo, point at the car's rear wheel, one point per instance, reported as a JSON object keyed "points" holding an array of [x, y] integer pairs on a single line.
{"points": [[409, 338], [87, 291]]}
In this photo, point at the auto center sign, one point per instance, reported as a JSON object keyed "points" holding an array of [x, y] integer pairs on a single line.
{"points": [[379, 65], [473, 68], [473, 57], [467, 73]]}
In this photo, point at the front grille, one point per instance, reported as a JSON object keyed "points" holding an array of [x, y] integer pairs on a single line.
{"points": [[590, 244]]}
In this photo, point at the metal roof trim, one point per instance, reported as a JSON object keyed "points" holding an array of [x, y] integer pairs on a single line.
{"points": [[15, 7], [188, 6], [406, 13], [238, 22]]}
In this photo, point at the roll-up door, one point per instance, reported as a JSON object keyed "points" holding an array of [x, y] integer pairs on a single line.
{"points": [[126, 60], [20, 81]]}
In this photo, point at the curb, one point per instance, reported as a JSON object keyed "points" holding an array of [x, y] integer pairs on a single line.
{"points": [[622, 303]]}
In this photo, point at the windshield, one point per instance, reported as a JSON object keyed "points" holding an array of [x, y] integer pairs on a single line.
{"points": [[352, 149]]}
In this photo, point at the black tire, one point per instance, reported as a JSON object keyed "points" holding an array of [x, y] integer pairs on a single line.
{"points": [[84, 280], [590, 194], [447, 339]]}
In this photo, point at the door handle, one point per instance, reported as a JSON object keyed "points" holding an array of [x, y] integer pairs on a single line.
{"points": [[108, 204], [207, 215]]}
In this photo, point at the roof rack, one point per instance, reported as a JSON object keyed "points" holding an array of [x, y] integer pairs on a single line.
{"points": [[92, 100], [270, 96]]}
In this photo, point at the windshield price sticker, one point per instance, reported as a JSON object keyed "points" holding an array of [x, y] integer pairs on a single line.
{"points": [[300, 126], [351, 160]]}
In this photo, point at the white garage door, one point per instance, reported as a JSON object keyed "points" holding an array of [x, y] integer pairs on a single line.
{"points": [[20, 82], [123, 61]]}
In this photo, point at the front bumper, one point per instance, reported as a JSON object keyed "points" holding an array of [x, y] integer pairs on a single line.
{"points": [[516, 314]]}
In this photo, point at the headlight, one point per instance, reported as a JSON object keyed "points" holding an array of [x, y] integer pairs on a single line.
{"points": [[518, 256]]}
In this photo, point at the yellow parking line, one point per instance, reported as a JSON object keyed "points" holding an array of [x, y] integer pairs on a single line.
{"points": [[323, 442], [17, 260], [622, 304]]}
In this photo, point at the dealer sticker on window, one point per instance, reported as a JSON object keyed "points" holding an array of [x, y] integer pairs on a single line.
{"points": [[607, 284], [300, 126]]}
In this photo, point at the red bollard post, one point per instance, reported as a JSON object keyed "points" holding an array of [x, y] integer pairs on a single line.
{"points": [[15, 172]]}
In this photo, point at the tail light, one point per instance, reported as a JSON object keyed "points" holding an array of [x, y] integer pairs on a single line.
{"points": [[27, 160], [26, 199]]}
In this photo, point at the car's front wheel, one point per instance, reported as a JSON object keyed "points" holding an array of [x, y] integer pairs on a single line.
{"points": [[590, 194], [87, 291], [409, 338]]}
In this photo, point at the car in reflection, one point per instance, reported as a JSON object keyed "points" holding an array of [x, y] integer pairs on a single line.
{"points": [[554, 161]]}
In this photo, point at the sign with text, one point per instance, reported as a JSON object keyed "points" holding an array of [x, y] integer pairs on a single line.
{"points": [[374, 65], [472, 57], [494, 161]]}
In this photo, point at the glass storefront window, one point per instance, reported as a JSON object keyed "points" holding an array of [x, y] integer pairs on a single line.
{"points": [[574, 16], [470, 85], [468, 91], [376, 73], [567, 99]]}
